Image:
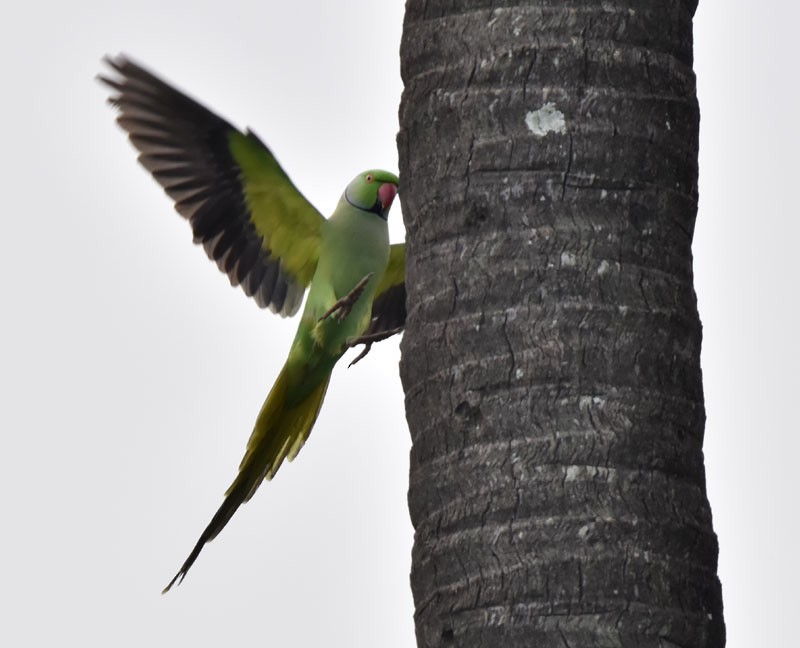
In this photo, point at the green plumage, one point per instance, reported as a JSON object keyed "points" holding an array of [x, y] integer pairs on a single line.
{"points": [[271, 241]]}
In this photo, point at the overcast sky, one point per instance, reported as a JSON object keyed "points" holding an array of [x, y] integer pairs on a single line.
{"points": [[132, 372]]}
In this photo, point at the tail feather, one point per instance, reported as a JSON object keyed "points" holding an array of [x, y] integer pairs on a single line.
{"points": [[218, 522], [278, 434]]}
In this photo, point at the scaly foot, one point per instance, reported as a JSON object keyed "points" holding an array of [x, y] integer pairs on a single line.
{"points": [[342, 307], [368, 341]]}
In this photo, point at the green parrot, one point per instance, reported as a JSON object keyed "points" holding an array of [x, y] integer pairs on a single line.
{"points": [[268, 239]]}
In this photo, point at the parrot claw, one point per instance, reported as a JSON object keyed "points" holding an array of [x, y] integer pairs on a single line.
{"points": [[342, 307], [360, 356], [368, 341]]}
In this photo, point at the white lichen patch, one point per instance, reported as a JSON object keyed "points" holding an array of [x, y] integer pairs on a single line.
{"points": [[585, 402], [568, 259], [548, 119], [603, 267]]}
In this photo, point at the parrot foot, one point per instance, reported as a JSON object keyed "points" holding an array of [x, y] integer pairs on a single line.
{"points": [[342, 307], [368, 341]]}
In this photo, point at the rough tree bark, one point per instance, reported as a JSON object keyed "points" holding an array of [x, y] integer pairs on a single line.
{"points": [[551, 360]]}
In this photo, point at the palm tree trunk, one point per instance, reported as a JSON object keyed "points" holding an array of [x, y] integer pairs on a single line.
{"points": [[551, 360]]}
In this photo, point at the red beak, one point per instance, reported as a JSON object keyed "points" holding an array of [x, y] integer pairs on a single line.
{"points": [[386, 194]]}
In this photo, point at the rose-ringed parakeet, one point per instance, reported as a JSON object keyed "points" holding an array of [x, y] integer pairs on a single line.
{"points": [[272, 242]]}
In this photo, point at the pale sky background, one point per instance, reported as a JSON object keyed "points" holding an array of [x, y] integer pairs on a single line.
{"points": [[132, 372]]}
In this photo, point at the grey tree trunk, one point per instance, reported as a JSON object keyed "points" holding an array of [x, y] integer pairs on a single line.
{"points": [[551, 360]]}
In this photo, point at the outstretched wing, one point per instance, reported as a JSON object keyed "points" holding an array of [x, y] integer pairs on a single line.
{"points": [[389, 304], [241, 205]]}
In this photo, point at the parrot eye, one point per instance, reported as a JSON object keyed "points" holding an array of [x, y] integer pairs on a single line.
{"points": [[369, 178]]}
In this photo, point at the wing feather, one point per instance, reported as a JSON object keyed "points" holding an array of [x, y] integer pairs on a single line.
{"points": [[389, 304], [243, 208]]}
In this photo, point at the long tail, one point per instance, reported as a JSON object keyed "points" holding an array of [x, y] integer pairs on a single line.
{"points": [[279, 433]]}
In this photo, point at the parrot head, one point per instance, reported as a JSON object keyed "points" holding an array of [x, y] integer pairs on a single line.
{"points": [[373, 191]]}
